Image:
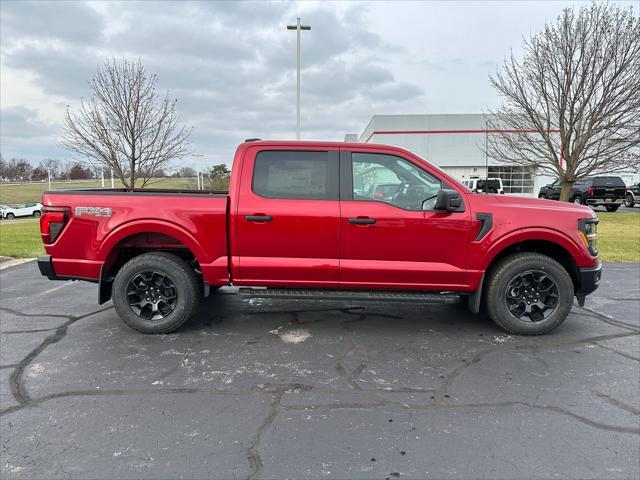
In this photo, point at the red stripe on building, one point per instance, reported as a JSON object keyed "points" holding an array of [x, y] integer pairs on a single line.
{"points": [[431, 132]]}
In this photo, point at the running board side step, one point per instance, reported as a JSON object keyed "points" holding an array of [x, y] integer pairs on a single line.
{"points": [[370, 295]]}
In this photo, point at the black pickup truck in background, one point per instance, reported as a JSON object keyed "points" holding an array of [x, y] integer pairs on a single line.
{"points": [[608, 192], [633, 196]]}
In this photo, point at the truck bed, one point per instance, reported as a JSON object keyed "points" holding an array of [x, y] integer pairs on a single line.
{"points": [[100, 219]]}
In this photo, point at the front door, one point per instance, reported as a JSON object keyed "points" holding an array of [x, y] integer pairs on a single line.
{"points": [[391, 238], [288, 218]]}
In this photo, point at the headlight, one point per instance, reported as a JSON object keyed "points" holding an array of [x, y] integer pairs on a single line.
{"points": [[588, 228]]}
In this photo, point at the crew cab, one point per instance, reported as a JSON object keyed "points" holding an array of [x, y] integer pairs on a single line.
{"points": [[608, 192], [303, 219]]}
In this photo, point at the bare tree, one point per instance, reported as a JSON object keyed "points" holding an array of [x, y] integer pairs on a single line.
{"points": [[125, 125], [571, 106]]}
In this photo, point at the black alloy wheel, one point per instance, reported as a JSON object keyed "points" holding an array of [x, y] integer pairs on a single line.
{"points": [[532, 296], [152, 295]]}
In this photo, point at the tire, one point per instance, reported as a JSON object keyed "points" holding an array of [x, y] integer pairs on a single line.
{"points": [[164, 275], [542, 196], [37, 213], [10, 216], [629, 202], [612, 208], [577, 199], [505, 275]]}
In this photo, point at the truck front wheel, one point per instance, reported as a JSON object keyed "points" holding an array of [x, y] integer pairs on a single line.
{"points": [[529, 294], [156, 292]]}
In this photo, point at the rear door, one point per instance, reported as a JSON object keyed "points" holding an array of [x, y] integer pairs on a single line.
{"points": [[287, 218], [399, 242]]}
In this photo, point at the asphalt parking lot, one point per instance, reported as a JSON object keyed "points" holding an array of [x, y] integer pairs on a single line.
{"points": [[274, 389]]}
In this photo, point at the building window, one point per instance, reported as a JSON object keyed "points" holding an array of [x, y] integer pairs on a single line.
{"points": [[514, 179]]}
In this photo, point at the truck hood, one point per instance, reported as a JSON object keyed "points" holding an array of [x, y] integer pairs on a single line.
{"points": [[480, 200]]}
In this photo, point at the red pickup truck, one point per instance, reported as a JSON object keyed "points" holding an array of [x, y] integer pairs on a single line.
{"points": [[304, 219]]}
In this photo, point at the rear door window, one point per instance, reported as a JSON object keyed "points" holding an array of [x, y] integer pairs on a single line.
{"points": [[608, 182], [302, 175]]}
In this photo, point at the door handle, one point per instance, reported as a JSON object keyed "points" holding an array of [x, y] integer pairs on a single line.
{"points": [[257, 218], [362, 221]]}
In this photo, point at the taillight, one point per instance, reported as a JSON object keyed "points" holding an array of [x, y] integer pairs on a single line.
{"points": [[590, 191], [52, 222]]}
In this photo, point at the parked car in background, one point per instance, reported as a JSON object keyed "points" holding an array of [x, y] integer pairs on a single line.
{"points": [[551, 191], [633, 195], [23, 210], [608, 192], [480, 185]]}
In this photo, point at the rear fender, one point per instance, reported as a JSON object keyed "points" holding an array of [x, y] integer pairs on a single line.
{"points": [[155, 226]]}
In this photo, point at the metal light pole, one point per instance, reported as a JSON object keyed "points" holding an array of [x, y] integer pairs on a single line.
{"points": [[297, 27], [486, 151]]}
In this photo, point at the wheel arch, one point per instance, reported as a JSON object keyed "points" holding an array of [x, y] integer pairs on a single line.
{"points": [[131, 240], [546, 242]]}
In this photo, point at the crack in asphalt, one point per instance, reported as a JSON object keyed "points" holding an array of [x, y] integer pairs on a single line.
{"points": [[277, 391], [610, 320], [253, 450], [614, 350], [16, 382], [435, 406], [619, 403]]}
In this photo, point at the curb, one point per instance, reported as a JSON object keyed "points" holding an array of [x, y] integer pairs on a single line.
{"points": [[6, 262]]}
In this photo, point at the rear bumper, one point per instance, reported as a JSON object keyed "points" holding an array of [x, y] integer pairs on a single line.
{"points": [[45, 264], [589, 279], [602, 201]]}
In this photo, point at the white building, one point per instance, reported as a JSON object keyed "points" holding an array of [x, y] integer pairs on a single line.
{"points": [[455, 143]]}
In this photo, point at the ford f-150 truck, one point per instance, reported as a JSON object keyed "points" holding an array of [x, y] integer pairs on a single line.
{"points": [[302, 219]]}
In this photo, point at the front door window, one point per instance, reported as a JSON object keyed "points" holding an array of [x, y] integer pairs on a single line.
{"points": [[393, 180]]}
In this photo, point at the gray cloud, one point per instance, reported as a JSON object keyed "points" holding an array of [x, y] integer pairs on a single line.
{"points": [[229, 64], [54, 20], [20, 122]]}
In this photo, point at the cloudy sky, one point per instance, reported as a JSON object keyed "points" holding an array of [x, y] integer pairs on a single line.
{"points": [[231, 65]]}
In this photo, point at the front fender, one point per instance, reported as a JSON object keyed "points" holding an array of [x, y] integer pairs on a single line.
{"points": [[496, 246]]}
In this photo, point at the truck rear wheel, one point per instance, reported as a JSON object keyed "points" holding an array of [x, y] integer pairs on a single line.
{"points": [[629, 201], [529, 294], [156, 292]]}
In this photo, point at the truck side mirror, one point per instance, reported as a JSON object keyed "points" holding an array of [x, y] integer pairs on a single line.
{"points": [[449, 201]]}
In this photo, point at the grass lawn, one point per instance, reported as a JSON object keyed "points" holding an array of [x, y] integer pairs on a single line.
{"points": [[32, 192], [20, 238], [618, 237]]}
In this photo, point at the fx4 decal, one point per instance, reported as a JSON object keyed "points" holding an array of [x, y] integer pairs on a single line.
{"points": [[93, 211]]}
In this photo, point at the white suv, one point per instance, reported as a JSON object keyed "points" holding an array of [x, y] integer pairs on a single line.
{"points": [[477, 185], [24, 210]]}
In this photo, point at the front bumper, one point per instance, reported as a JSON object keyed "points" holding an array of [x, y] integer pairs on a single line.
{"points": [[45, 264], [589, 279]]}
